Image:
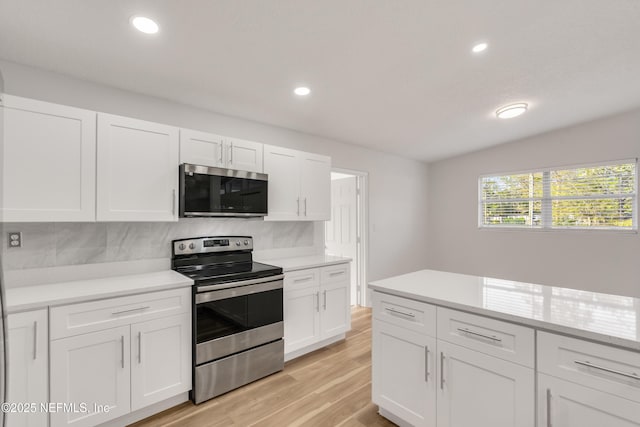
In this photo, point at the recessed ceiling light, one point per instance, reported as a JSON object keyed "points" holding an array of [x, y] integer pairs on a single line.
{"points": [[480, 47], [512, 110], [144, 24], [302, 91]]}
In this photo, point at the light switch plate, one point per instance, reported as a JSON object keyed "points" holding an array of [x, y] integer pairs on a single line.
{"points": [[14, 239]]}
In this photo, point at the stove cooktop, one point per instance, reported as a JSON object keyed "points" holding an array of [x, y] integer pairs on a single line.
{"points": [[224, 273]]}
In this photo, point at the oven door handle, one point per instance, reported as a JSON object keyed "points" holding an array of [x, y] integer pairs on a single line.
{"points": [[221, 286], [237, 291]]}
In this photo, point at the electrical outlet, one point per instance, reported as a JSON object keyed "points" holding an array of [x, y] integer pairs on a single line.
{"points": [[14, 239]]}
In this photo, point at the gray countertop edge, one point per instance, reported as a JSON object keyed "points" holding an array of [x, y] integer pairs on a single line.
{"points": [[536, 324], [319, 264]]}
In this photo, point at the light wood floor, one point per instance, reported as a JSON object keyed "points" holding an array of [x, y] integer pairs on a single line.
{"points": [[329, 387]]}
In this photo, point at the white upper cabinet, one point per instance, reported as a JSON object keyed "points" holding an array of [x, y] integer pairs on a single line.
{"points": [[207, 149], [49, 162], [244, 155], [201, 148], [315, 186], [299, 185], [282, 166], [137, 170]]}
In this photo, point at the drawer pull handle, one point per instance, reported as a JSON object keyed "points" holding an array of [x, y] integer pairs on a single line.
{"points": [[478, 334], [588, 364], [400, 312], [336, 273], [130, 310], [302, 279]]}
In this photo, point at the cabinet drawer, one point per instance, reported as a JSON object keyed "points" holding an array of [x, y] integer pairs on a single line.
{"points": [[334, 273], [76, 319], [493, 337], [609, 369], [302, 278], [410, 314]]}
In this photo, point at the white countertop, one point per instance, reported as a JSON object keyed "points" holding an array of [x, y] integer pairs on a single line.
{"points": [[610, 319], [300, 263], [39, 296]]}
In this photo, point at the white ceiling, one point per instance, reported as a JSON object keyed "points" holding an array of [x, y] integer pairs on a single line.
{"points": [[394, 75]]}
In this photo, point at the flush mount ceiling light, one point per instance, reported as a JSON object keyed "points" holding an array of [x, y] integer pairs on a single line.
{"points": [[302, 91], [144, 24], [480, 47], [512, 110]]}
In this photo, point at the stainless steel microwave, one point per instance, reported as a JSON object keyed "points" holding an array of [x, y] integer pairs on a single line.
{"points": [[209, 192]]}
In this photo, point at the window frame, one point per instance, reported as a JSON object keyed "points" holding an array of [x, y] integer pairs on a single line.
{"points": [[547, 200]]}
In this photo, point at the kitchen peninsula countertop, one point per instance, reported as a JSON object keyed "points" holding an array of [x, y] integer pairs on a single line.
{"points": [[25, 298], [604, 318]]}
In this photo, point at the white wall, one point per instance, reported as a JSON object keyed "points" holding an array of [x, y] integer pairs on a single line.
{"points": [[397, 190], [601, 261]]}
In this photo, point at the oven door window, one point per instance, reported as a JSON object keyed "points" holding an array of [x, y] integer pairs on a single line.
{"points": [[217, 319]]}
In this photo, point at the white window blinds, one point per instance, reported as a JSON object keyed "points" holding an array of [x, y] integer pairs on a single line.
{"points": [[585, 197]]}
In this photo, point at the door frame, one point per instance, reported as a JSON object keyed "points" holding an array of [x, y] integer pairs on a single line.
{"points": [[360, 266]]}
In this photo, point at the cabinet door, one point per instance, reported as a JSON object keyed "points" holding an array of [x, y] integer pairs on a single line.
{"points": [[91, 369], [137, 170], [301, 318], [161, 360], [403, 377], [475, 389], [567, 404], [244, 155], [200, 148], [281, 165], [315, 183], [49, 162], [28, 366], [335, 310]]}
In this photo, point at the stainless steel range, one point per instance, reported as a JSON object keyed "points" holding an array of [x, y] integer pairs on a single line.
{"points": [[237, 313]]}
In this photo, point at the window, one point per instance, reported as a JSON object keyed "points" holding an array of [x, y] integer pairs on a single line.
{"points": [[583, 197]]}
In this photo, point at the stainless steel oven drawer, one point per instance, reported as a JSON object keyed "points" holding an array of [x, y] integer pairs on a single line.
{"points": [[219, 347], [221, 376]]}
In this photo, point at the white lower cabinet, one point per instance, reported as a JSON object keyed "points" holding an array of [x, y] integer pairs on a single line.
{"points": [[565, 404], [475, 389], [316, 307], [301, 318], [420, 379], [403, 374], [91, 370], [139, 358], [161, 360], [28, 367]]}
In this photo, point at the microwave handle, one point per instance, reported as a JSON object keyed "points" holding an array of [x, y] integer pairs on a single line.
{"points": [[173, 202]]}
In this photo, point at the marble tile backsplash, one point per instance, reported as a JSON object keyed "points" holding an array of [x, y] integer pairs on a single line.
{"points": [[59, 244]]}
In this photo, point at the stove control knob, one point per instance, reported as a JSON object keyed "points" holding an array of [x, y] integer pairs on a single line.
{"points": [[246, 243], [182, 246], [192, 245], [238, 243]]}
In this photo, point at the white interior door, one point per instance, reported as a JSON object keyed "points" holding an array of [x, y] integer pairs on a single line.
{"points": [[341, 231]]}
